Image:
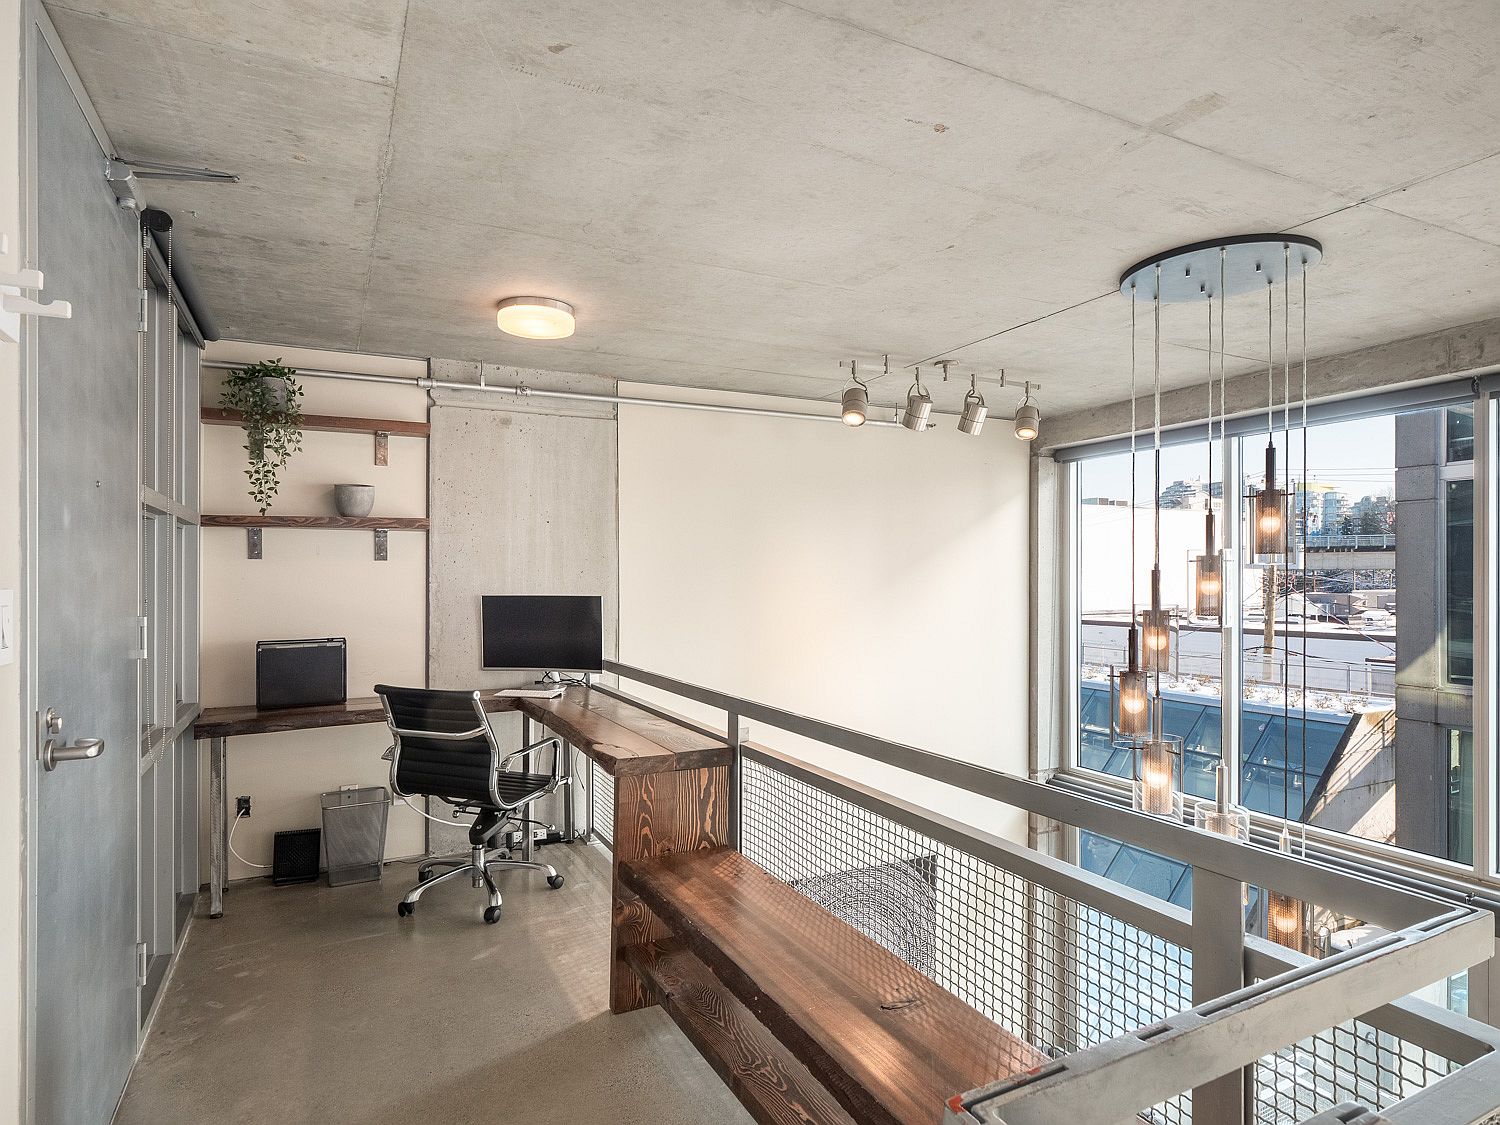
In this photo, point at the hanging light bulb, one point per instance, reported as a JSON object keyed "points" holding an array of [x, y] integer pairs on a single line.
{"points": [[856, 403], [1028, 418], [971, 421], [918, 406]]}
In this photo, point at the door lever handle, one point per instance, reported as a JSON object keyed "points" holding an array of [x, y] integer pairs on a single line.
{"points": [[85, 748]]}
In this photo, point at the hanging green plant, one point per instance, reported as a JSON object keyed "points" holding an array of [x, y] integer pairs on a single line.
{"points": [[269, 398]]}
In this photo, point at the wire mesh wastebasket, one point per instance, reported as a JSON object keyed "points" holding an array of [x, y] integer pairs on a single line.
{"points": [[354, 833]]}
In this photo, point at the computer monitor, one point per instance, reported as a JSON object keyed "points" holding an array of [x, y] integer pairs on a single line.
{"points": [[543, 633]]}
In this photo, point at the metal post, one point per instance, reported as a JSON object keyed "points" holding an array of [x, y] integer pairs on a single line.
{"points": [[218, 829], [736, 734], [526, 810], [1218, 969]]}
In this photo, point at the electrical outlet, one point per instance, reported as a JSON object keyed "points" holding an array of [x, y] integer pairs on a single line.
{"points": [[242, 806]]}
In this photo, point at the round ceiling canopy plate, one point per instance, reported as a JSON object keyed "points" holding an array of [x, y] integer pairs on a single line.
{"points": [[1250, 262]]}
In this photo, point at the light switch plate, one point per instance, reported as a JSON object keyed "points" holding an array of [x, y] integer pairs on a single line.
{"points": [[7, 626]]}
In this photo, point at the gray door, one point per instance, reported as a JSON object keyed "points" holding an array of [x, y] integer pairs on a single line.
{"points": [[83, 566]]}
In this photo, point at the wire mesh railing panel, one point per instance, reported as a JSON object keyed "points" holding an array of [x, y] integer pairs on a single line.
{"points": [[1048, 969], [602, 804], [1353, 1062]]}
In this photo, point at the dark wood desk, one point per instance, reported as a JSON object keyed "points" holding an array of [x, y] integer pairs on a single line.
{"points": [[671, 787]]}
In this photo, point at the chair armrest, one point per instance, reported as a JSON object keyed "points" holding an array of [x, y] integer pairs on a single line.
{"points": [[554, 742]]}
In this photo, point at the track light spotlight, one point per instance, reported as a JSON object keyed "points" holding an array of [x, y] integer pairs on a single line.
{"points": [[918, 406], [1028, 418], [971, 421], [856, 404]]}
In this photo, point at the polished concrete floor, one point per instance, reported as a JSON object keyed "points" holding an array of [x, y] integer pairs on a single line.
{"points": [[317, 1004]]}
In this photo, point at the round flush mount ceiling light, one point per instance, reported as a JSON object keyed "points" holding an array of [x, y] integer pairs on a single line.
{"points": [[535, 318]]}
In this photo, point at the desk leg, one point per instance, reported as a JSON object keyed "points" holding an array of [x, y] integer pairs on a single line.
{"points": [[658, 814], [218, 829], [567, 791]]}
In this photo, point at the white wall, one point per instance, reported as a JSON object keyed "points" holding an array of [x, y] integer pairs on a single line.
{"points": [[11, 739], [314, 583], [875, 578]]}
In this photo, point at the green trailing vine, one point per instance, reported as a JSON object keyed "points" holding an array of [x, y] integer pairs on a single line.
{"points": [[270, 400]]}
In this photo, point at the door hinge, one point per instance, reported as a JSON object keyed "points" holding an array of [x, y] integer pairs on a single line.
{"points": [[142, 638], [142, 959], [145, 324]]}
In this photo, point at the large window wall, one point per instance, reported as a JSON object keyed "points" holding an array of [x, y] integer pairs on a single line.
{"points": [[1350, 666]]}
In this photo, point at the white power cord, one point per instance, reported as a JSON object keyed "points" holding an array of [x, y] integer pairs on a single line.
{"points": [[450, 822], [237, 817]]}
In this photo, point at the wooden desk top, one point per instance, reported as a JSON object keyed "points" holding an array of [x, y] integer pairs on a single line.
{"points": [[622, 738]]}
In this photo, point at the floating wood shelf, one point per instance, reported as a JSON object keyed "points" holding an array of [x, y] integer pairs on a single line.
{"points": [[330, 423], [380, 525], [358, 523], [382, 428]]}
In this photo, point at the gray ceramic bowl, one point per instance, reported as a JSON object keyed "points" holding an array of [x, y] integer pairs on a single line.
{"points": [[354, 499]]}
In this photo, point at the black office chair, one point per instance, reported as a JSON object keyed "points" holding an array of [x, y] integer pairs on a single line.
{"points": [[444, 748]]}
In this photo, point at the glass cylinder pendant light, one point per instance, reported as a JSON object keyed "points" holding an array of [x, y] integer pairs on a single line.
{"points": [[1134, 718], [1286, 916], [1223, 817], [918, 406], [1268, 503], [1157, 788], [1268, 513]]}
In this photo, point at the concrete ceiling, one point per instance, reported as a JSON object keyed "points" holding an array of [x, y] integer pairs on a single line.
{"points": [[739, 193]]}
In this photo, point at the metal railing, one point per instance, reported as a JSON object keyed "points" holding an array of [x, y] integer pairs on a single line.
{"points": [[1141, 1005], [1332, 541]]}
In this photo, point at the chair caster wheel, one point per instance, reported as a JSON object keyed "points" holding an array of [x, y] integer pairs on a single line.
{"points": [[491, 915], [554, 881], [405, 909]]}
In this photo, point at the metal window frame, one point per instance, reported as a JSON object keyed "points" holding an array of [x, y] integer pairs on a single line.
{"points": [[1484, 872]]}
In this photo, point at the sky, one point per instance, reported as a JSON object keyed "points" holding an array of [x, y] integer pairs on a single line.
{"points": [[1355, 456]]}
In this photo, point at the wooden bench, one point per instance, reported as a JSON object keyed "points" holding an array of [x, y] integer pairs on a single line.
{"points": [[805, 1018]]}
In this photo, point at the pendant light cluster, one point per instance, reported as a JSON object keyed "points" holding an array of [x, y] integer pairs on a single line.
{"points": [[917, 414], [1209, 272]]}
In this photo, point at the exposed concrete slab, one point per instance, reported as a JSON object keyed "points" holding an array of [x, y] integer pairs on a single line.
{"points": [[363, 42], [315, 1004], [741, 195]]}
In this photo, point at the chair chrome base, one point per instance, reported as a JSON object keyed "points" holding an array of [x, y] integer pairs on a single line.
{"points": [[477, 865]]}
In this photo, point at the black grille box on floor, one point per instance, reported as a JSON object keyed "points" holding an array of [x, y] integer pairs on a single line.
{"points": [[305, 673], [295, 856]]}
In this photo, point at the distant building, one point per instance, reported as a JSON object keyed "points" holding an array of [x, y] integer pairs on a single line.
{"points": [[1191, 493]]}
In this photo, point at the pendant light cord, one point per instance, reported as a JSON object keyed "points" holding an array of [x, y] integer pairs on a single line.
{"points": [[1303, 755], [1156, 427], [1132, 454]]}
